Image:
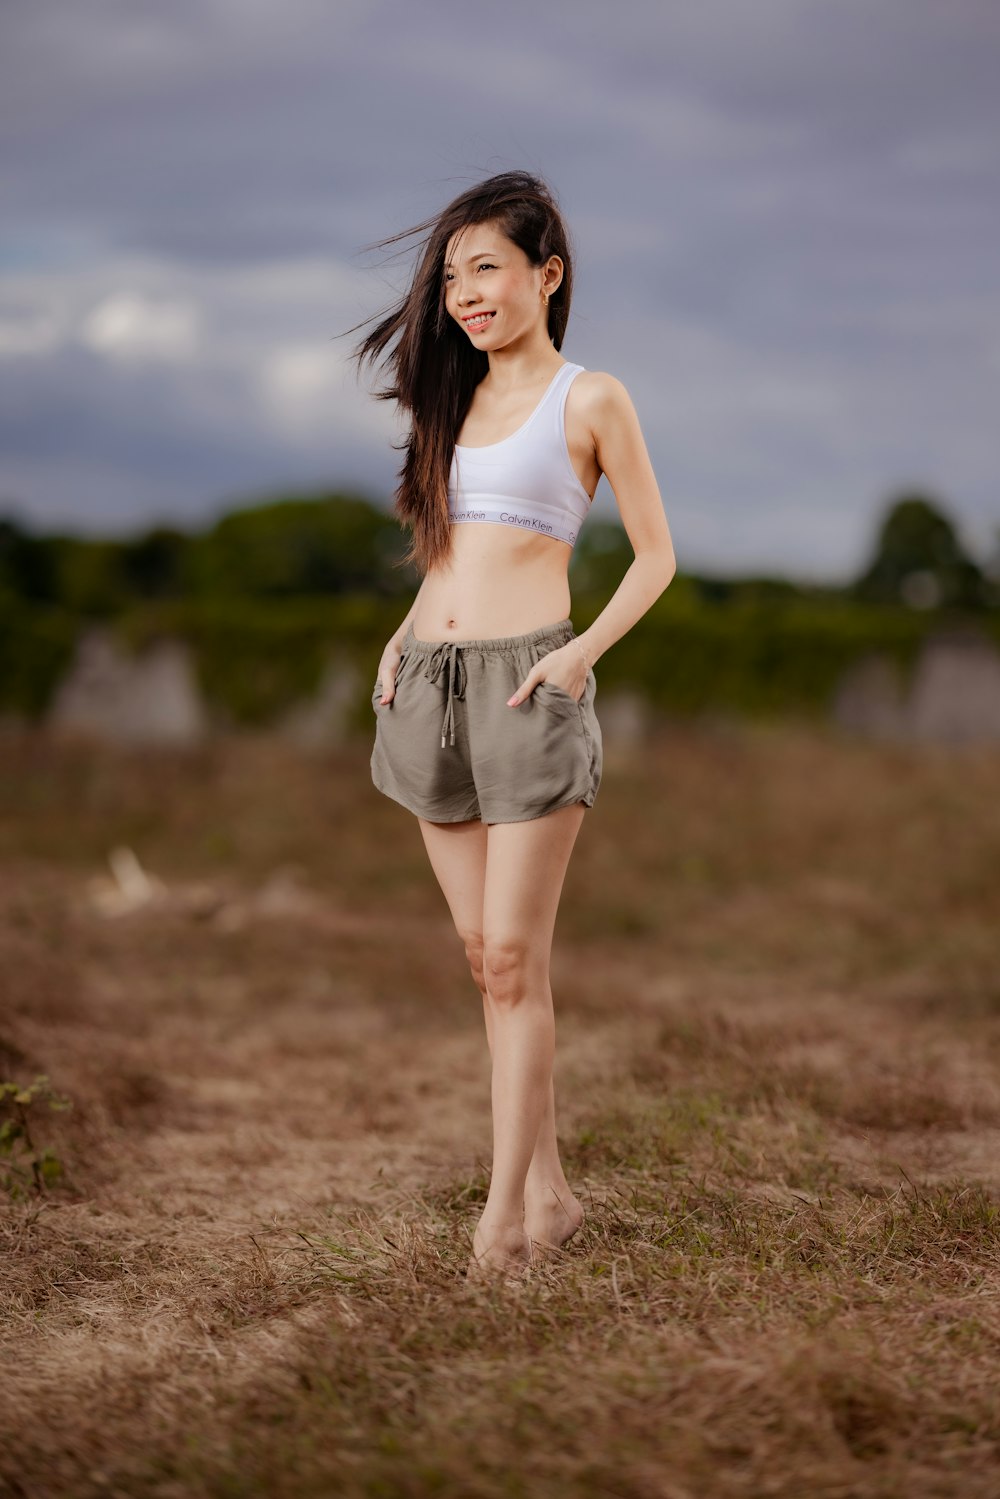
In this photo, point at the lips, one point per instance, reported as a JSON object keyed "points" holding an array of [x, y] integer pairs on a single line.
{"points": [[473, 326]]}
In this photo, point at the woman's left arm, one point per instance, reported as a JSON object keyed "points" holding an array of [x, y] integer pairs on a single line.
{"points": [[622, 455]]}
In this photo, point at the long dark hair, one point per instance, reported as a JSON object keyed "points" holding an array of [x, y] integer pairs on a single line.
{"points": [[435, 368]]}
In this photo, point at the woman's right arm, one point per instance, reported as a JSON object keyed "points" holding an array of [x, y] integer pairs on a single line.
{"points": [[390, 656], [397, 638]]}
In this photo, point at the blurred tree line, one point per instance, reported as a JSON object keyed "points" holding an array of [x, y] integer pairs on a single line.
{"points": [[262, 594], [281, 549], [337, 544]]}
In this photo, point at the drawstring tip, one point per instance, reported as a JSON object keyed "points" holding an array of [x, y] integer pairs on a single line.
{"points": [[442, 741]]}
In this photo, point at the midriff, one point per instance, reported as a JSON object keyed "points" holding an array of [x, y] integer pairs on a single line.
{"points": [[497, 581]]}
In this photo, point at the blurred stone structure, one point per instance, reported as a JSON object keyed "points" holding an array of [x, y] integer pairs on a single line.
{"points": [[953, 695], [150, 698], [324, 719]]}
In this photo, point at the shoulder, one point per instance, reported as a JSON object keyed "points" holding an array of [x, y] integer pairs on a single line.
{"points": [[601, 398]]}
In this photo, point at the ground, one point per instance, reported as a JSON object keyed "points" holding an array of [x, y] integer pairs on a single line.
{"points": [[778, 1027]]}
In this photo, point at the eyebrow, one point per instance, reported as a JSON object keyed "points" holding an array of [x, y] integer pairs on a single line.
{"points": [[477, 256]]}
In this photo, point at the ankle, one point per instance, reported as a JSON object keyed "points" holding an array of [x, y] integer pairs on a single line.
{"points": [[546, 1194], [493, 1225]]}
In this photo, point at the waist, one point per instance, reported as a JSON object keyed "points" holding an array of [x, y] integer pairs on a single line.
{"points": [[493, 585], [560, 632]]}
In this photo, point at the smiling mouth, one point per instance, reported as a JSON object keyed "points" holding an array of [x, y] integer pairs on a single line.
{"points": [[480, 320]]}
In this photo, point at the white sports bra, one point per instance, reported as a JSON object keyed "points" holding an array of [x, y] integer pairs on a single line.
{"points": [[527, 479]]}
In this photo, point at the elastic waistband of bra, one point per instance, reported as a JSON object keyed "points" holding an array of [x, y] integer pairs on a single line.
{"points": [[561, 631]]}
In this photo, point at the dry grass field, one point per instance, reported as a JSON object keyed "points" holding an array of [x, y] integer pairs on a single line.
{"points": [[777, 985]]}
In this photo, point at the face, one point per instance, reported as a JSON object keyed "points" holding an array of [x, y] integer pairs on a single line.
{"points": [[486, 273]]}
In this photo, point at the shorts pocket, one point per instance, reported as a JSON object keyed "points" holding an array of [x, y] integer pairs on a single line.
{"points": [[551, 695]]}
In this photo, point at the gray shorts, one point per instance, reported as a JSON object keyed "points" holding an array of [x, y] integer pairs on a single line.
{"points": [[448, 748]]}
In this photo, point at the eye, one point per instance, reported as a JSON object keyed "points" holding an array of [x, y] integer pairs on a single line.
{"points": [[479, 267]]}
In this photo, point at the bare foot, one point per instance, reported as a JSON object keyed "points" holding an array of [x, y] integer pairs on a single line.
{"points": [[505, 1251], [552, 1220]]}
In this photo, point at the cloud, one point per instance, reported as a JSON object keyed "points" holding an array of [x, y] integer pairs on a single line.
{"points": [[784, 215], [132, 329]]}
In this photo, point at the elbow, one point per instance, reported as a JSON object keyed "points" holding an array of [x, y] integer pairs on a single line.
{"points": [[659, 564]]}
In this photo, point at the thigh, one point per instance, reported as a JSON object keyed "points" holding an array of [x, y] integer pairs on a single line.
{"points": [[526, 864], [457, 851]]}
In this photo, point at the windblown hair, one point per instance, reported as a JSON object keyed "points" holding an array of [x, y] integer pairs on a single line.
{"points": [[434, 367]]}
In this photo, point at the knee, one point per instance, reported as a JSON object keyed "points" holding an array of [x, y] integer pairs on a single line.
{"points": [[474, 949], [509, 970]]}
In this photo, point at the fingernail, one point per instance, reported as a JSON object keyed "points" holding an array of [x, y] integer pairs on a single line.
{"points": [[511, 701]]}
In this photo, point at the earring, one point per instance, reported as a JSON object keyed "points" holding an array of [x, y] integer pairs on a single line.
{"points": [[545, 299]]}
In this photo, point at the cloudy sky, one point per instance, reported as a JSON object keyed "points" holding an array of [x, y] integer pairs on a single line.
{"points": [[786, 216]]}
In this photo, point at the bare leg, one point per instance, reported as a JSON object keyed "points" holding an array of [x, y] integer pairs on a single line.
{"points": [[552, 1214], [458, 854], [525, 868]]}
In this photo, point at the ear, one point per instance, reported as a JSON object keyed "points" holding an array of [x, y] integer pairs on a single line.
{"points": [[552, 274]]}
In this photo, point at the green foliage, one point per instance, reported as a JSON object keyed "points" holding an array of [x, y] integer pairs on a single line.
{"points": [[919, 561], [255, 658], [600, 558], [329, 544], [31, 1167], [756, 655], [292, 547], [26, 564], [85, 577], [36, 648], [156, 565]]}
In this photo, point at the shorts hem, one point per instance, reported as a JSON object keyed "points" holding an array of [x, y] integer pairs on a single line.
{"points": [[419, 811], [588, 799]]}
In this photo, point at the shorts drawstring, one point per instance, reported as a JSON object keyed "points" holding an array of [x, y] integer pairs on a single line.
{"points": [[447, 657]]}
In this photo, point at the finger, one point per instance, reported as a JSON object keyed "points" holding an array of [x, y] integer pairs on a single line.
{"points": [[525, 690], [388, 691]]}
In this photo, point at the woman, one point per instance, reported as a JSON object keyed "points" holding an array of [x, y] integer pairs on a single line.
{"points": [[486, 728]]}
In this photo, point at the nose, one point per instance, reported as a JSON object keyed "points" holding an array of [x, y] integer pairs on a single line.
{"points": [[463, 289]]}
